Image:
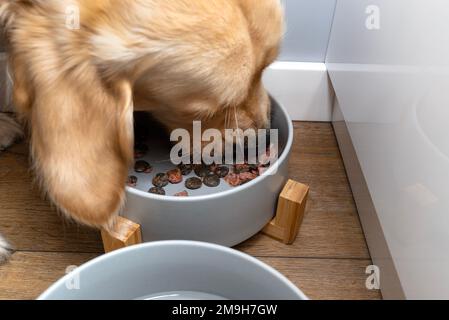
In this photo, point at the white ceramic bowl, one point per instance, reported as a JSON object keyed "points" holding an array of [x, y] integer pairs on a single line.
{"points": [[227, 216], [174, 270]]}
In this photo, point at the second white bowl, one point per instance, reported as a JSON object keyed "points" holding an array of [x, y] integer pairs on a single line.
{"points": [[174, 270]]}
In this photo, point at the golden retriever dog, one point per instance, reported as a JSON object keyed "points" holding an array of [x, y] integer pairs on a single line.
{"points": [[76, 86]]}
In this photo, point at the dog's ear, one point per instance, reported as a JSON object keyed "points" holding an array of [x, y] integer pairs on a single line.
{"points": [[82, 146]]}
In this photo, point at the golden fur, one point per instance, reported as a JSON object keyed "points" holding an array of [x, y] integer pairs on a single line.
{"points": [[182, 60]]}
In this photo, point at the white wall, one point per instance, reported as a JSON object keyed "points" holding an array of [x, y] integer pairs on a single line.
{"points": [[308, 28], [392, 85], [299, 79]]}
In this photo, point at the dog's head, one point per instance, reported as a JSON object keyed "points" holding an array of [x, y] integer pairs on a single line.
{"points": [[265, 27], [216, 74]]}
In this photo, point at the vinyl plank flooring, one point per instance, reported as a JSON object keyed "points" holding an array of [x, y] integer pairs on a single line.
{"points": [[327, 279], [28, 220], [28, 274], [327, 260]]}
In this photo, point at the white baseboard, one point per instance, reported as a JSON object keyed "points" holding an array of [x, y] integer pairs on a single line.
{"points": [[303, 88]]}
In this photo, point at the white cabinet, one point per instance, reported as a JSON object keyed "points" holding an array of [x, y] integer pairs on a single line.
{"points": [[389, 64]]}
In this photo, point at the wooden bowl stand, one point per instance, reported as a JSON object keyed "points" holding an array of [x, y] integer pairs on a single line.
{"points": [[284, 227]]}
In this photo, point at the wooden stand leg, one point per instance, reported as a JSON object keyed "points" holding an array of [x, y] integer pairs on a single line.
{"points": [[290, 213], [124, 234]]}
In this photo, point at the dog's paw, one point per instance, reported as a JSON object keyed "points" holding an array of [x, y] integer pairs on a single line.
{"points": [[10, 131], [5, 250]]}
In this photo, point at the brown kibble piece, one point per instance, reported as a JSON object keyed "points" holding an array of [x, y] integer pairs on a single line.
{"points": [[143, 167], [194, 183], [186, 169], [132, 181], [222, 171], [175, 176], [211, 180], [157, 190], [246, 177], [233, 179], [201, 170], [241, 168], [160, 180], [182, 194]]}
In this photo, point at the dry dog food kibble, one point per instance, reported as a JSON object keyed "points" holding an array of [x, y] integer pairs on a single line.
{"points": [[186, 169], [247, 177], [211, 180], [222, 171], [233, 179], [143, 167], [208, 175], [241, 168], [201, 170], [194, 183], [132, 181], [175, 176], [254, 168], [182, 194], [160, 180], [212, 167], [157, 190], [140, 150]]}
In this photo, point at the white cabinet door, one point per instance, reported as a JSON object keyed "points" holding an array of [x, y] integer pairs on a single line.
{"points": [[389, 64]]}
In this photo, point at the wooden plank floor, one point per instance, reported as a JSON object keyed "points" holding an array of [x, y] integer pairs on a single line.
{"points": [[327, 261]]}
